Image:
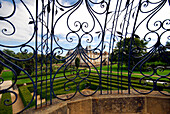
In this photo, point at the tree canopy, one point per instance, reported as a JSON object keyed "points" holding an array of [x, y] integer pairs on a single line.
{"points": [[77, 62], [121, 51]]}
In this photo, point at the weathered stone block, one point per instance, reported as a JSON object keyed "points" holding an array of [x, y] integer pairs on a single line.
{"points": [[80, 107], [157, 105], [118, 105]]}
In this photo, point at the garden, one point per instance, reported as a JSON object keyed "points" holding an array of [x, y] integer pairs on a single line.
{"points": [[61, 85], [76, 78]]}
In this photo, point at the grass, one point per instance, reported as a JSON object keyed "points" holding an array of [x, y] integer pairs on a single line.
{"points": [[139, 76], [113, 81], [58, 85], [3, 108], [27, 80], [7, 75], [43, 89], [115, 67]]}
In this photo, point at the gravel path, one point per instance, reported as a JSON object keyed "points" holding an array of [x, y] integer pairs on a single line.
{"points": [[18, 105]]}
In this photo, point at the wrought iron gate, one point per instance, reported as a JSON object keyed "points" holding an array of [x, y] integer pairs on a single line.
{"points": [[62, 47]]}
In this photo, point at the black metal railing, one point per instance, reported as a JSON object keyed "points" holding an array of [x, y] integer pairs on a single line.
{"points": [[56, 49]]}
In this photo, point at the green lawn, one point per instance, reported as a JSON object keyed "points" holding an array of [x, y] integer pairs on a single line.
{"points": [[138, 76], [113, 83], [7, 75], [27, 80], [43, 89], [115, 69]]}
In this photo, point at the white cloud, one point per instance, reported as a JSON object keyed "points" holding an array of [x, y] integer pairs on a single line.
{"points": [[24, 31], [20, 20]]}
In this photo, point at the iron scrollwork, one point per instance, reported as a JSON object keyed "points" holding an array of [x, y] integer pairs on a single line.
{"points": [[158, 30], [9, 61], [70, 27], [80, 32]]}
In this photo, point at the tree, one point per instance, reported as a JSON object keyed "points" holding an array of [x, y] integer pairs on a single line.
{"points": [[19, 64], [29, 66], [1, 68], [113, 57], [9, 52], [121, 51], [161, 56], [167, 45], [77, 62]]}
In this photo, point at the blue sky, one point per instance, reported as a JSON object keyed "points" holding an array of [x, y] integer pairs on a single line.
{"points": [[24, 31]]}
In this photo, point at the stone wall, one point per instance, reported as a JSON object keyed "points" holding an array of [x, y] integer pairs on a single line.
{"points": [[110, 104]]}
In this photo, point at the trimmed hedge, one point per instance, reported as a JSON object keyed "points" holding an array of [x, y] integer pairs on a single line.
{"points": [[3, 108], [134, 83], [26, 96], [55, 83], [27, 80], [7, 75], [93, 78], [123, 83], [57, 87], [43, 74]]}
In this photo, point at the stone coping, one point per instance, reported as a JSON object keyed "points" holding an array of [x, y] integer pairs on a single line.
{"points": [[107, 104]]}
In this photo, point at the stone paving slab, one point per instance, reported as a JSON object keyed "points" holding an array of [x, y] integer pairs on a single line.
{"points": [[6, 84]]}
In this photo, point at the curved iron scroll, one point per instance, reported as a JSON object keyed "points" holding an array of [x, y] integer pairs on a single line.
{"points": [[63, 32], [10, 61], [86, 30], [155, 76]]}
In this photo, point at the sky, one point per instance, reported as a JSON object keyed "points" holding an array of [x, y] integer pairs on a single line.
{"points": [[24, 31]]}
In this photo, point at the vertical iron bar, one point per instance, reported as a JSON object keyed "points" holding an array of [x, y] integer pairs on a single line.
{"points": [[126, 34], [51, 50], [101, 52], [132, 37], [42, 49], [112, 48], [46, 69], [118, 66], [124, 43], [114, 35], [36, 41], [47, 53], [123, 49]]}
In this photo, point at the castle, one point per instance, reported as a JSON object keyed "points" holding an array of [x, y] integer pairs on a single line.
{"points": [[92, 55]]}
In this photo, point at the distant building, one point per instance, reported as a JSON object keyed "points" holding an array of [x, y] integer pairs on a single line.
{"points": [[90, 54]]}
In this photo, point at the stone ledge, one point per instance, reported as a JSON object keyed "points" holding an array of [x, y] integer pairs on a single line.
{"points": [[108, 104]]}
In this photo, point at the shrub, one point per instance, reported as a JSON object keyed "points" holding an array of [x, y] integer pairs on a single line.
{"points": [[26, 96], [1, 68], [157, 63], [77, 62], [7, 75], [29, 66], [3, 108], [17, 70]]}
